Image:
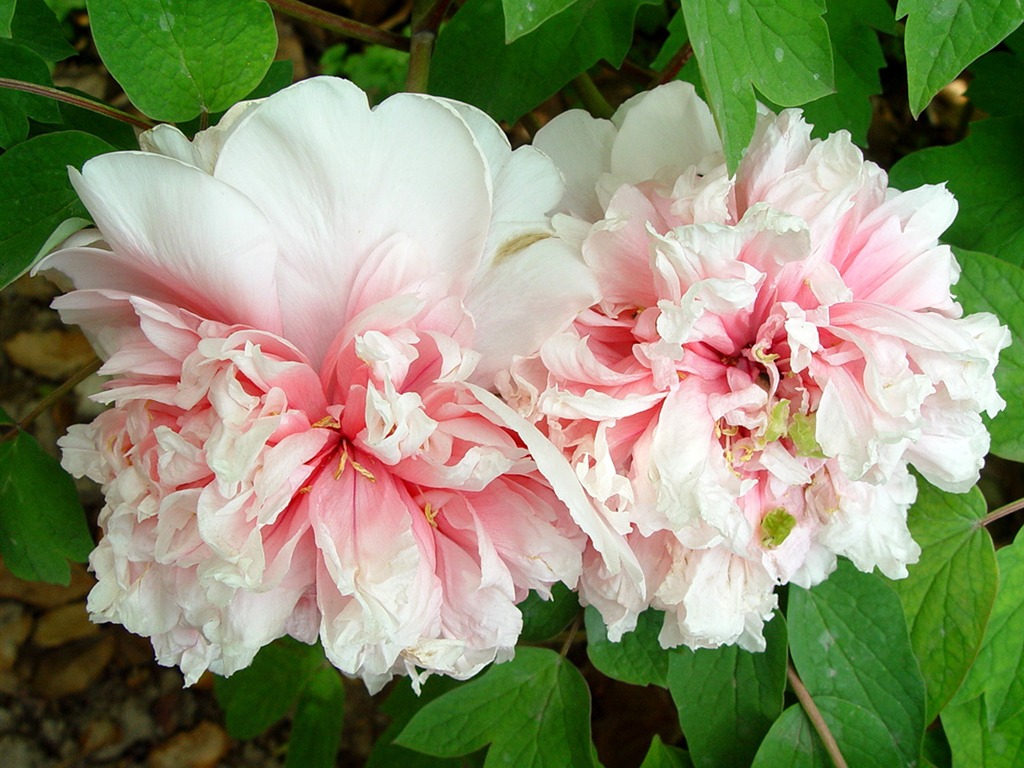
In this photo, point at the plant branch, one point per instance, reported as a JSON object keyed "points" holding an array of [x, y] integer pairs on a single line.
{"points": [[419, 61], [79, 101], [88, 370], [347, 27], [572, 636], [592, 98], [675, 64], [814, 715], [1003, 511]]}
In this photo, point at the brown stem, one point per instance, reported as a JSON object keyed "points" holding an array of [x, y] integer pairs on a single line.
{"points": [[88, 370], [675, 64], [572, 636], [78, 101], [419, 61], [1003, 511], [814, 715], [341, 25], [592, 98]]}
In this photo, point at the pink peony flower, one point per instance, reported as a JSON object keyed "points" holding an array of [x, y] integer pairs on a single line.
{"points": [[302, 310], [769, 353]]}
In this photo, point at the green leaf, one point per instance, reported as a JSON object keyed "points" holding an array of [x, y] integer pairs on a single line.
{"points": [[781, 47], [792, 743], [936, 751], [637, 658], [534, 711], [858, 57], [677, 38], [401, 706], [176, 59], [279, 76], [316, 727], [728, 698], [661, 756], [472, 63], [115, 132], [255, 698], [16, 107], [521, 18], [34, 183], [943, 38], [988, 284], [996, 77], [948, 596], [543, 619], [998, 672], [974, 743], [42, 523], [35, 27], [849, 640], [986, 173], [6, 14]]}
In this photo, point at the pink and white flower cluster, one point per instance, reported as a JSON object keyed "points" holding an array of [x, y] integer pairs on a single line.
{"points": [[770, 352], [712, 384]]}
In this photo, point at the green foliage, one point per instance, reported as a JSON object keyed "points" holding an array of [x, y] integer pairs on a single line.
{"points": [[986, 173], [727, 698], [42, 524], [473, 64], [661, 756], [637, 658], [34, 182], [857, 55], [849, 641], [176, 59], [7, 8], [995, 82], [543, 619], [316, 727], [792, 743], [255, 698], [988, 284], [35, 27], [985, 720], [942, 39], [948, 596], [781, 48], [534, 711], [378, 71], [16, 107], [521, 17]]}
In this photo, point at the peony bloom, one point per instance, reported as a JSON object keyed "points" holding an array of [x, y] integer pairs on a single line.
{"points": [[302, 310], [769, 353]]}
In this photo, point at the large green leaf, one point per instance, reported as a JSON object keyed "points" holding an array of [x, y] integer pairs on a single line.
{"points": [[948, 596], [473, 64], [316, 727], [659, 755], [35, 27], [7, 8], [38, 196], [792, 743], [16, 107], [849, 640], [995, 80], [42, 523], [402, 704], [728, 698], [943, 38], [637, 658], [534, 711], [988, 284], [521, 18], [255, 698], [780, 47], [986, 173], [857, 54], [985, 720], [543, 619], [178, 58]]}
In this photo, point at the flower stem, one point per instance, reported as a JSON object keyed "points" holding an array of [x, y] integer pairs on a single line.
{"points": [[88, 370], [419, 61], [78, 101], [675, 64], [341, 25], [592, 98], [573, 629], [1003, 511], [814, 715]]}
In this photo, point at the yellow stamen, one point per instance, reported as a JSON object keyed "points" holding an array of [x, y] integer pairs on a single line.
{"points": [[326, 421], [431, 514], [341, 465], [363, 471], [306, 489]]}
